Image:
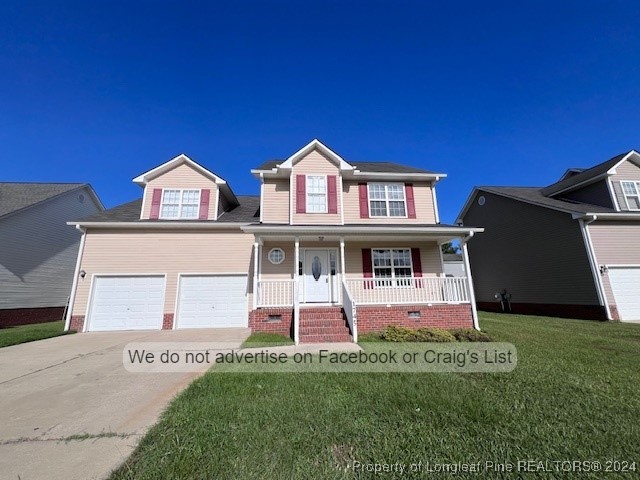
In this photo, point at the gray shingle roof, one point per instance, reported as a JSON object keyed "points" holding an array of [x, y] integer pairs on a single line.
{"points": [[368, 167], [15, 196], [583, 176], [535, 196], [246, 212]]}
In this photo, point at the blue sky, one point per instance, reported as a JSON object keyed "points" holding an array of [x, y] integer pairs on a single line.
{"points": [[493, 93]]}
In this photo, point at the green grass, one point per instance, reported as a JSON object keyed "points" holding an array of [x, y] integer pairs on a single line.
{"points": [[264, 339], [30, 333], [575, 395]]}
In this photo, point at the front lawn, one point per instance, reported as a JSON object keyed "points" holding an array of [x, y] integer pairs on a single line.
{"points": [[575, 395], [30, 333]]}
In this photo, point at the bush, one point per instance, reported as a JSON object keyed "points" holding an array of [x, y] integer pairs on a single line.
{"points": [[403, 334], [470, 335]]}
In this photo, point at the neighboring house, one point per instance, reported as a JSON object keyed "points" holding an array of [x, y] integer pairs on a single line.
{"points": [[328, 248], [453, 264], [38, 250], [570, 249]]}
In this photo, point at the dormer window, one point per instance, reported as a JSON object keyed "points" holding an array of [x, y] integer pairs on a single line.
{"points": [[387, 200], [316, 194], [180, 204], [631, 192]]}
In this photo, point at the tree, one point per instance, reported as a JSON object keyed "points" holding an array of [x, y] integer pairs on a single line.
{"points": [[450, 247]]}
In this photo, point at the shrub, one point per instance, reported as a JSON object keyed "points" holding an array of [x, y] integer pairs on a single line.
{"points": [[403, 334], [470, 335]]}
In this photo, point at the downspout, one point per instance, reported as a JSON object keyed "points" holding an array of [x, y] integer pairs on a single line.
{"points": [[593, 261], [76, 274], [467, 266]]}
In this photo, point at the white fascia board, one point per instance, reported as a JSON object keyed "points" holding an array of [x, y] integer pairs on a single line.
{"points": [[608, 216], [159, 224], [408, 176], [174, 162], [612, 170], [312, 145], [365, 229]]}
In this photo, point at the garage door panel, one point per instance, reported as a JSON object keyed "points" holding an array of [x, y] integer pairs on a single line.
{"points": [[625, 284], [210, 301], [127, 303]]}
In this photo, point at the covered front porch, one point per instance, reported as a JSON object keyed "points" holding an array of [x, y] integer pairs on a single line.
{"points": [[362, 271]]}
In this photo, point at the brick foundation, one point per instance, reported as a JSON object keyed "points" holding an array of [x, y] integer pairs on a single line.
{"points": [[377, 318], [26, 316], [167, 321], [77, 323], [259, 320], [586, 312]]}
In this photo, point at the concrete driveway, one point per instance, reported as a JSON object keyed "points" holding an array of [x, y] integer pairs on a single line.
{"points": [[69, 409]]}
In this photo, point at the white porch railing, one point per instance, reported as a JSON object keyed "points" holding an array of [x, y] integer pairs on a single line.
{"points": [[409, 290], [275, 293], [349, 307], [296, 312]]}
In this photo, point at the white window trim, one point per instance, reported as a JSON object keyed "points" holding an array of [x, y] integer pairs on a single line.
{"points": [[386, 200], [625, 195], [394, 283], [180, 217], [284, 255], [306, 193]]}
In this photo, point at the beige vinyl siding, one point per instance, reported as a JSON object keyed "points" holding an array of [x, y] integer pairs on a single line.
{"points": [[183, 176], [169, 252], [282, 271], [423, 199], [315, 163], [38, 251], [595, 194], [275, 201], [615, 243], [628, 171], [536, 254]]}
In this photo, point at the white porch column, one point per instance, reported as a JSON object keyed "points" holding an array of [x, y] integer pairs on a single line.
{"points": [[256, 246], [297, 259], [467, 268], [342, 261]]}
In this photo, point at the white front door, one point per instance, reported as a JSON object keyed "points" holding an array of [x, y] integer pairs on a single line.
{"points": [[316, 276]]}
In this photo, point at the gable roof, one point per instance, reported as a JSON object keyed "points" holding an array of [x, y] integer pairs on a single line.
{"points": [[586, 176], [183, 159], [246, 212], [15, 196], [367, 167]]}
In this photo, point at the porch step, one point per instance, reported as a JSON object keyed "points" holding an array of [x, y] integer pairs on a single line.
{"points": [[323, 324], [326, 338]]}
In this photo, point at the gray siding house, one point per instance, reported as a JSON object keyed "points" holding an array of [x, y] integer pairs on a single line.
{"points": [[38, 250], [570, 249]]}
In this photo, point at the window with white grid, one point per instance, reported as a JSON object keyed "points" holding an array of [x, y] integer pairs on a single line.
{"points": [[392, 267], [316, 194], [631, 192], [387, 200], [180, 204]]}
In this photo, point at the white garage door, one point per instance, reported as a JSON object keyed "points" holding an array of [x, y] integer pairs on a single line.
{"points": [[207, 301], [126, 303], [625, 283]]}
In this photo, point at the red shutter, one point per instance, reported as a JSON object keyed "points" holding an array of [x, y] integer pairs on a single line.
{"points": [[156, 200], [417, 265], [301, 195], [411, 205], [367, 267], [333, 193], [364, 200], [204, 204]]}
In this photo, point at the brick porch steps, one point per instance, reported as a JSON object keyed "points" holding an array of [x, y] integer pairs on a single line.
{"points": [[320, 325]]}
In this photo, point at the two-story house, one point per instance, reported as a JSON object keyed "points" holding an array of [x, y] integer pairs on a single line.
{"points": [[571, 249], [327, 249]]}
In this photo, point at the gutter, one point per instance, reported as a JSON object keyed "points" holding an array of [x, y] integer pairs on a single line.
{"points": [[254, 228], [76, 274], [160, 224], [467, 266], [593, 261]]}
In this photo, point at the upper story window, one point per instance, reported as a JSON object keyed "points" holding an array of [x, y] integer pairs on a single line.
{"points": [[387, 200], [316, 194], [631, 192], [180, 204]]}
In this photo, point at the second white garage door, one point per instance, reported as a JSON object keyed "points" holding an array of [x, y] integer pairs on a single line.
{"points": [[625, 283], [212, 301]]}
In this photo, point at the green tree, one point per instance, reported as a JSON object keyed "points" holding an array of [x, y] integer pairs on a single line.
{"points": [[450, 247]]}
